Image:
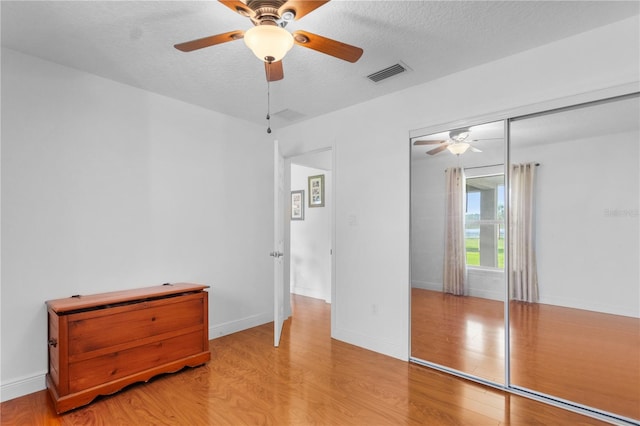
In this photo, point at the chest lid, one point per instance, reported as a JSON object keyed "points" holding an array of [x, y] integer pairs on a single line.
{"points": [[98, 301]]}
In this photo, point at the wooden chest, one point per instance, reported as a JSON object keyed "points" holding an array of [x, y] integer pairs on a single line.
{"points": [[101, 343]]}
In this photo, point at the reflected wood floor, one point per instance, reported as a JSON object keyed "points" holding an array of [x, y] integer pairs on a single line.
{"points": [[464, 333], [310, 379], [582, 356]]}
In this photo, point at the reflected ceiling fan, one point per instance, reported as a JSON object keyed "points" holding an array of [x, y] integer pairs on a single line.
{"points": [[457, 143], [269, 40]]}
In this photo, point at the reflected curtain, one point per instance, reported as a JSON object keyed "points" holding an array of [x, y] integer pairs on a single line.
{"points": [[455, 262], [522, 255]]}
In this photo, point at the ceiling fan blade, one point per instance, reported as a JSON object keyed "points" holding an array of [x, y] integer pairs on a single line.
{"points": [[427, 142], [438, 149], [189, 46], [328, 46], [301, 7], [274, 71], [239, 7]]}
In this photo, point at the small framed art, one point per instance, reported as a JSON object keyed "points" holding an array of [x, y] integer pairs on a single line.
{"points": [[297, 205], [316, 191]]}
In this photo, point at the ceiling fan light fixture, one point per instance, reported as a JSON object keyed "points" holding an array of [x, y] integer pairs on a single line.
{"points": [[458, 148], [269, 43], [459, 135]]}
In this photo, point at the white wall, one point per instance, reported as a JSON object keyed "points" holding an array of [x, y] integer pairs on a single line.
{"points": [[310, 250], [587, 254], [427, 221], [371, 301], [107, 187]]}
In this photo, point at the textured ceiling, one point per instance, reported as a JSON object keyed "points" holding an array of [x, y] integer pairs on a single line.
{"points": [[132, 42]]}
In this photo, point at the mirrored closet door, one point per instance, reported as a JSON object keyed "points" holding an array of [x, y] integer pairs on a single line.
{"points": [[555, 232], [457, 249], [575, 332]]}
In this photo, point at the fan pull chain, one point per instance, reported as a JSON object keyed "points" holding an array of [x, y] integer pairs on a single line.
{"points": [[268, 106]]}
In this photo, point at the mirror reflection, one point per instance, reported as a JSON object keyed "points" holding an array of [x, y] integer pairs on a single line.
{"points": [[574, 313], [572, 213], [457, 249]]}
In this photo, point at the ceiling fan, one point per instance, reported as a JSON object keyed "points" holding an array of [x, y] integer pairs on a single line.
{"points": [[457, 143], [268, 39]]}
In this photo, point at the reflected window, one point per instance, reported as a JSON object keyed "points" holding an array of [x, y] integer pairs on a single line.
{"points": [[484, 221]]}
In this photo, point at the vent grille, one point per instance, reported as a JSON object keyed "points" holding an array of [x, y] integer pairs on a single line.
{"points": [[289, 115], [396, 69]]}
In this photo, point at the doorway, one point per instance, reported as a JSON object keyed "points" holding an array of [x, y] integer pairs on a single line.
{"points": [[309, 226]]}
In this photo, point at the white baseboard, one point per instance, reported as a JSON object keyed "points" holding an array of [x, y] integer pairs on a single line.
{"points": [[23, 386], [309, 292], [425, 285], [486, 295], [26, 385], [230, 327], [399, 350], [590, 306]]}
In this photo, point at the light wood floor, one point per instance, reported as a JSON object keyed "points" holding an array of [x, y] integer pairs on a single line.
{"points": [[577, 355], [309, 380]]}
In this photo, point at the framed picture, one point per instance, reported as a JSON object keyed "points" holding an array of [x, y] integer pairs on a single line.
{"points": [[316, 191], [297, 205]]}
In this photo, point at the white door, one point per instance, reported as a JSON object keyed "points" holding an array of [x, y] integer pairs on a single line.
{"points": [[278, 242]]}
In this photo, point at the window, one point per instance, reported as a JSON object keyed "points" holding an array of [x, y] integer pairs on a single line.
{"points": [[484, 221]]}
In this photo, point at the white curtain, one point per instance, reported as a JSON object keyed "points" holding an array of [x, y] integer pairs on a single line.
{"points": [[522, 255], [455, 262]]}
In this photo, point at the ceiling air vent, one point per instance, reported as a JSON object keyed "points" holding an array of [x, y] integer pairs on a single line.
{"points": [[289, 114], [396, 69]]}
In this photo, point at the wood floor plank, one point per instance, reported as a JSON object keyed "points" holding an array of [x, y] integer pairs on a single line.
{"points": [[577, 355], [310, 379]]}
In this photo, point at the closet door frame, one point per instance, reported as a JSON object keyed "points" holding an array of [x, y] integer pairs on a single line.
{"points": [[509, 116]]}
